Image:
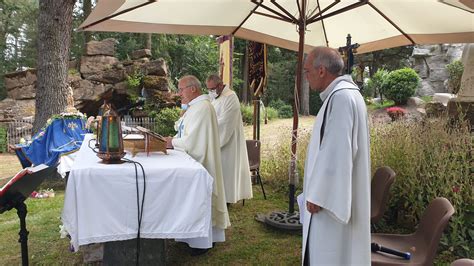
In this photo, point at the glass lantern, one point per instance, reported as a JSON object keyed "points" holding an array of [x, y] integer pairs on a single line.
{"points": [[110, 139]]}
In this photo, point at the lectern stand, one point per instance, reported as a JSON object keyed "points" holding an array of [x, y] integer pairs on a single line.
{"points": [[14, 194]]}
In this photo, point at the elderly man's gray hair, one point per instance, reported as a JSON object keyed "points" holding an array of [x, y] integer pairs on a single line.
{"points": [[191, 80], [214, 78], [328, 58]]}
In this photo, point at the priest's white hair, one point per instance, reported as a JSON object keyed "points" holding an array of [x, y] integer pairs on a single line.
{"points": [[191, 80], [328, 58]]}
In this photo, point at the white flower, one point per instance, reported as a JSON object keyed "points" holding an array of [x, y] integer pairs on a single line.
{"points": [[62, 231]]}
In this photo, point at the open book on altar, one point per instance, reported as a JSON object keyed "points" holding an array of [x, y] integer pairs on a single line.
{"points": [[19, 187]]}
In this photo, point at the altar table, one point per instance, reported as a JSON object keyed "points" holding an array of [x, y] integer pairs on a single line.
{"points": [[100, 203]]}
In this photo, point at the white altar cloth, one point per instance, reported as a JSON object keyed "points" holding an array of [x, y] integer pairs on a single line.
{"points": [[100, 203]]}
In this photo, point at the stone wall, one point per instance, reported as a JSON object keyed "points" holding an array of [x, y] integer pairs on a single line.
{"points": [[430, 62], [100, 75]]}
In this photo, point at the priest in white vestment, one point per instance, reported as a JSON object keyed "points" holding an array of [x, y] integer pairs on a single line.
{"points": [[199, 137], [336, 193], [235, 163]]}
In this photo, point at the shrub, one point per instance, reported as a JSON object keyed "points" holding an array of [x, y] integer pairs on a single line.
{"points": [[455, 70], [286, 111], [401, 84], [277, 104], [272, 113], [431, 160], [374, 85], [165, 121], [3, 139], [247, 113]]}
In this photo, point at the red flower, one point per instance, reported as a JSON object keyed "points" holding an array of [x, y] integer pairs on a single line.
{"points": [[456, 189]]}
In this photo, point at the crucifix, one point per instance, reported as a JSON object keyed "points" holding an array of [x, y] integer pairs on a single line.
{"points": [[347, 53]]}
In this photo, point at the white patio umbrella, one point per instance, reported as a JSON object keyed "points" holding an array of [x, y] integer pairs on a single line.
{"points": [[297, 25]]}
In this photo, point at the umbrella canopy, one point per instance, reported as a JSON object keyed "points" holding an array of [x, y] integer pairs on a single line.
{"points": [[374, 24]]}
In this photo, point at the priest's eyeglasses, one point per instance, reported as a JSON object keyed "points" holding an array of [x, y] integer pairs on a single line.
{"points": [[182, 88]]}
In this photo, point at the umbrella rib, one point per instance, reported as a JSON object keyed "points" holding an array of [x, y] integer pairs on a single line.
{"points": [[274, 12], [118, 14], [313, 18], [283, 10], [246, 18], [391, 22], [299, 7], [322, 23], [272, 16], [342, 10]]}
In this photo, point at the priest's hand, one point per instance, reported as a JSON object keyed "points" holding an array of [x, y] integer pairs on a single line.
{"points": [[312, 208], [169, 143]]}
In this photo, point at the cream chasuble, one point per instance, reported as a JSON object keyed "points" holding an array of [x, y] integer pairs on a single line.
{"points": [[235, 163], [199, 137], [337, 178]]}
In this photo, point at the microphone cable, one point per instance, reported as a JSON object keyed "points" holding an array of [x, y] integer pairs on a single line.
{"points": [[139, 206]]}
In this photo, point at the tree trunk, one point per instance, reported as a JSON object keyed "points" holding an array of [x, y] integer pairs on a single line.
{"points": [[86, 10], [148, 41], [54, 39], [304, 97]]}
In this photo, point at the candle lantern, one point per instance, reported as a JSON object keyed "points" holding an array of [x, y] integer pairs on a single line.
{"points": [[110, 139]]}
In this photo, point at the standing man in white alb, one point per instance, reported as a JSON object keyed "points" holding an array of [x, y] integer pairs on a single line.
{"points": [[235, 163], [336, 192], [198, 136]]}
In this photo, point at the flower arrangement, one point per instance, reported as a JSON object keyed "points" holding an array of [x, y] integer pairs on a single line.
{"points": [[396, 112]]}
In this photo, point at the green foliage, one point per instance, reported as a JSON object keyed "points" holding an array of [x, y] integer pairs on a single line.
{"points": [[455, 70], [385, 104], [133, 85], [399, 85], [272, 113], [247, 113], [286, 111], [165, 120], [374, 85], [281, 75], [431, 160], [315, 102], [277, 104], [3, 139]]}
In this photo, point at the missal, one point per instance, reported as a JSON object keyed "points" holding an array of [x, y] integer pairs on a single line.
{"points": [[20, 186]]}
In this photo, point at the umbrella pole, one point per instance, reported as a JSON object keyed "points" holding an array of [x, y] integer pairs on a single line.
{"points": [[293, 174]]}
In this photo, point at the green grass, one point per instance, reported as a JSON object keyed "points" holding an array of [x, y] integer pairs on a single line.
{"points": [[247, 241], [427, 99], [44, 245], [385, 104]]}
